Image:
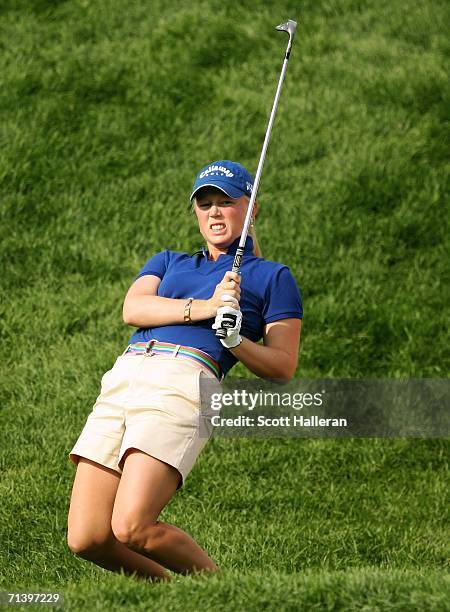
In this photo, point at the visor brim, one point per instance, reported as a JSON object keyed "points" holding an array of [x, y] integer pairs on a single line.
{"points": [[228, 190]]}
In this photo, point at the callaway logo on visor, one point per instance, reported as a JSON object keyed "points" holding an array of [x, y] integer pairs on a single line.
{"points": [[216, 170]]}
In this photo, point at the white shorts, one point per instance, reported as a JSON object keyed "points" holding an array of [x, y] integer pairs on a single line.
{"points": [[151, 403]]}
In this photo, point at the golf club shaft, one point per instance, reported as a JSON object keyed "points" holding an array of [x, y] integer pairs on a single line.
{"points": [[290, 28], [240, 250]]}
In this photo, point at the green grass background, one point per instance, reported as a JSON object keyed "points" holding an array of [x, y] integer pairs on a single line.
{"points": [[108, 110]]}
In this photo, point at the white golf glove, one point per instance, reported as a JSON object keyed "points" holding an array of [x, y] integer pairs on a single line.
{"points": [[232, 317]]}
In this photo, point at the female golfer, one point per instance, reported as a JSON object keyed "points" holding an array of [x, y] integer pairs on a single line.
{"points": [[142, 437]]}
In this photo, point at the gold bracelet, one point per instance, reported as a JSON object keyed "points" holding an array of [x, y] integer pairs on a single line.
{"points": [[187, 310]]}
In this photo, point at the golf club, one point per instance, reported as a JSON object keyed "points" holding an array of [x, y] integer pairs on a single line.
{"points": [[289, 27]]}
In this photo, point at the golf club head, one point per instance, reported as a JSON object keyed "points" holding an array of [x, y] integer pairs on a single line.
{"points": [[290, 27]]}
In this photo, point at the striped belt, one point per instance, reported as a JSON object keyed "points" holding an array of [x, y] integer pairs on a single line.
{"points": [[154, 347]]}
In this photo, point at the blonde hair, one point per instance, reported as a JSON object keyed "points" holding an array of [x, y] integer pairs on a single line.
{"points": [[256, 248]]}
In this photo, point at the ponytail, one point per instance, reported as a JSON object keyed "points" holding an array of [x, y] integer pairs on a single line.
{"points": [[256, 248], [251, 230]]}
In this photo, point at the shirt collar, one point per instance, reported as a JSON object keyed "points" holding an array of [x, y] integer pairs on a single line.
{"points": [[248, 249]]}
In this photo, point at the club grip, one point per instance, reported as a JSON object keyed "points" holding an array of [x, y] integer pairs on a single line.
{"points": [[231, 322]]}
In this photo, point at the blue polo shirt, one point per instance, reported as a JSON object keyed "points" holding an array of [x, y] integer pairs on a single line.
{"points": [[268, 293]]}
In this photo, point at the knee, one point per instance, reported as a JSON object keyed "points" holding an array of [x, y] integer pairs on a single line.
{"points": [[87, 545], [133, 533]]}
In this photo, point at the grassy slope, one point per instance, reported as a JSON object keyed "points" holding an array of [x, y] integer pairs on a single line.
{"points": [[107, 113]]}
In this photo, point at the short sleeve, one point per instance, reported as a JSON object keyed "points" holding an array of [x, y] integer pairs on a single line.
{"points": [[283, 299], [156, 265]]}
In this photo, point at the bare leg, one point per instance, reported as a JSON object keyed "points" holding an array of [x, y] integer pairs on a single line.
{"points": [[89, 524], [146, 486]]}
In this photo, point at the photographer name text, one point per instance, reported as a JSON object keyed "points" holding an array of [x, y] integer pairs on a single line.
{"points": [[283, 421]]}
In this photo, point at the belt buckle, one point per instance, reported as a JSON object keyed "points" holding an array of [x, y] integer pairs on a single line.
{"points": [[149, 347]]}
